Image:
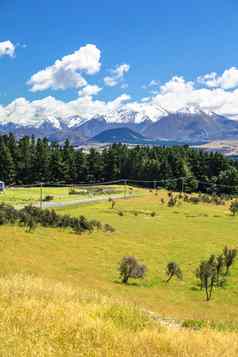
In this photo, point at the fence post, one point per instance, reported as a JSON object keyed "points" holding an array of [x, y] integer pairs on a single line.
{"points": [[125, 184], [41, 195]]}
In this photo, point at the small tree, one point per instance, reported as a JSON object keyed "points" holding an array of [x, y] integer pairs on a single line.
{"points": [[173, 269], [220, 263], [30, 224], [230, 255], [130, 268], [206, 272], [113, 202], [234, 207]]}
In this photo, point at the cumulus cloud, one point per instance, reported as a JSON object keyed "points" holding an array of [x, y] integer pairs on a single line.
{"points": [[173, 95], [24, 112], [89, 90], [117, 75], [228, 80], [68, 71], [7, 48]]}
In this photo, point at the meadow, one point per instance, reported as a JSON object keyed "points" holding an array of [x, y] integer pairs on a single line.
{"points": [[187, 234], [20, 196], [44, 318]]}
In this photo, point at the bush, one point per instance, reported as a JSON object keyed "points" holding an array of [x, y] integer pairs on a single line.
{"points": [[172, 201], [230, 255], [108, 228], [30, 216], [48, 198], [153, 214], [120, 213], [172, 270], [130, 268], [234, 207], [206, 273]]}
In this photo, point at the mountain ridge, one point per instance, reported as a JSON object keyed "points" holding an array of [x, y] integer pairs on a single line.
{"points": [[189, 124]]}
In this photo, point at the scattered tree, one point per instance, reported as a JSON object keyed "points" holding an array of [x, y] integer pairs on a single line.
{"points": [[234, 207], [230, 255], [173, 270], [207, 273], [130, 268]]}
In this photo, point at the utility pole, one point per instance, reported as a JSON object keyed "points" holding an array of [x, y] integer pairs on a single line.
{"points": [[41, 194], [155, 186], [125, 184], [182, 188]]}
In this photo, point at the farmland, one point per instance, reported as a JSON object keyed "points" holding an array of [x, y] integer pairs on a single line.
{"points": [[186, 233], [20, 196]]}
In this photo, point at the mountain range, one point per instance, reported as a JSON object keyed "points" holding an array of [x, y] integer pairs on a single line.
{"points": [[190, 125]]}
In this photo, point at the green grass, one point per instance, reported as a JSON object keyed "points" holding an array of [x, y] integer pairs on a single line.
{"points": [[185, 234], [25, 196]]}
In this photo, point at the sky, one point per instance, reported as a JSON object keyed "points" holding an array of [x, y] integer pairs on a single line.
{"points": [[64, 58]]}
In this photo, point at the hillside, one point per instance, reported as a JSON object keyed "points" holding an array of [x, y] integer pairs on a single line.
{"points": [[91, 260], [123, 135], [61, 294], [45, 318]]}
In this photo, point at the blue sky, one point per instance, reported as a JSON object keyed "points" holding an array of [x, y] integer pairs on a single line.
{"points": [[156, 39]]}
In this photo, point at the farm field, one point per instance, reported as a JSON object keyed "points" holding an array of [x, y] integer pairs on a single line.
{"points": [[187, 234], [25, 196]]}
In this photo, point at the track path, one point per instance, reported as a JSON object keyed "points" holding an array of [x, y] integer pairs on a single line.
{"points": [[53, 204]]}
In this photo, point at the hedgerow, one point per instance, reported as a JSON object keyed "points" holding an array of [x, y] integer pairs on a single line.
{"points": [[30, 216]]}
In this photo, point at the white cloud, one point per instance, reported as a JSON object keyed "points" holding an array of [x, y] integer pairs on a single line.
{"points": [[89, 90], [67, 72], [228, 80], [117, 75], [7, 48], [176, 85], [24, 112], [172, 96]]}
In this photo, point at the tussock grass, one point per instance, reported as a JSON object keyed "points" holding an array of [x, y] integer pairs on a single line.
{"points": [[44, 318]]}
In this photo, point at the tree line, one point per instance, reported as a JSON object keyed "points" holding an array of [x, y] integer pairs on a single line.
{"points": [[30, 160]]}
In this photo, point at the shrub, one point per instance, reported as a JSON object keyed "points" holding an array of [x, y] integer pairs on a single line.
{"points": [[30, 216], [229, 256], [206, 273], [108, 228], [153, 214], [172, 201], [113, 202], [172, 270], [194, 200], [234, 207], [48, 198], [130, 268], [120, 213]]}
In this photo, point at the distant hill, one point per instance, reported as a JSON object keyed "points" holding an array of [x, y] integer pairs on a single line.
{"points": [[116, 135]]}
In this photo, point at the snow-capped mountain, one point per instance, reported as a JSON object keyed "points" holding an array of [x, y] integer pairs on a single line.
{"points": [[190, 124]]}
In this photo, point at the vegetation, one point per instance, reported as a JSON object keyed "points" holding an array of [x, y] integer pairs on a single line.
{"points": [[229, 255], [173, 270], [30, 216], [234, 207], [186, 233], [40, 317], [206, 272], [130, 268], [29, 161]]}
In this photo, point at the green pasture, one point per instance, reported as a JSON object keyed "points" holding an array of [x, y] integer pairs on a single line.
{"points": [[186, 234]]}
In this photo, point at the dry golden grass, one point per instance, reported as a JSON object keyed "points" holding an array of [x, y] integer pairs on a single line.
{"points": [[44, 318]]}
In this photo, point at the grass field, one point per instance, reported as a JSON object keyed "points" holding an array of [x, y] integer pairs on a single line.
{"points": [[186, 234], [42, 318], [25, 196]]}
